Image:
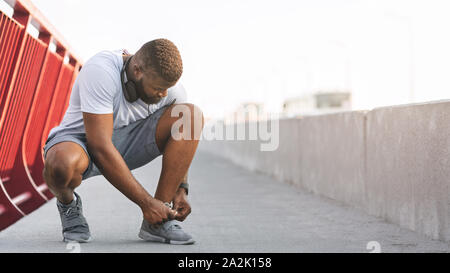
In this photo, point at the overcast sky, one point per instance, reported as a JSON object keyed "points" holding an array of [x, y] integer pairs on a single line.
{"points": [[385, 52]]}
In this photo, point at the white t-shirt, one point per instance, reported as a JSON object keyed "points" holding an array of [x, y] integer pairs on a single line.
{"points": [[98, 90]]}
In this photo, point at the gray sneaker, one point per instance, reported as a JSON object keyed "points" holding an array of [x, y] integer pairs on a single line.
{"points": [[74, 225], [169, 232]]}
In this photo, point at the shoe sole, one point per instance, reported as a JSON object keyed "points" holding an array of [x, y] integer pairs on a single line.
{"points": [[146, 236], [77, 241]]}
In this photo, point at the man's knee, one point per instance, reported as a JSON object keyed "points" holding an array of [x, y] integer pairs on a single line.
{"points": [[197, 116], [188, 115], [175, 119], [59, 170]]}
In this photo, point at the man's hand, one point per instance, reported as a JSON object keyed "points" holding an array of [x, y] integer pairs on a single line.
{"points": [[156, 213], [181, 205]]}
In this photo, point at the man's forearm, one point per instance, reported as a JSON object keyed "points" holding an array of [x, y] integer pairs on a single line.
{"points": [[183, 181], [113, 167]]}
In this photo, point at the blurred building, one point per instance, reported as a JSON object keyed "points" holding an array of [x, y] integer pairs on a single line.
{"points": [[317, 103], [249, 111]]}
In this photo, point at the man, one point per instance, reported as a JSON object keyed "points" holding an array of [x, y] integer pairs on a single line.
{"points": [[120, 118]]}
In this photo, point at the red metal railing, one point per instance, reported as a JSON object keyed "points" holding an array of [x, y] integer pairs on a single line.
{"points": [[35, 85]]}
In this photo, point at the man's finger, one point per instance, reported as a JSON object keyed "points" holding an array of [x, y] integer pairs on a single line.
{"points": [[172, 214], [180, 217], [182, 214]]}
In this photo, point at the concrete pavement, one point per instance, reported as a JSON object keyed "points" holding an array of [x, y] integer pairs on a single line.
{"points": [[234, 210]]}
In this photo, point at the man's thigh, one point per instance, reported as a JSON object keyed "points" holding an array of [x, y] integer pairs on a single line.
{"points": [[136, 142]]}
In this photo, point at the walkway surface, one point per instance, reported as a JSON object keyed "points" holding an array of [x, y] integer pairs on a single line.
{"points": [[234, 210]]}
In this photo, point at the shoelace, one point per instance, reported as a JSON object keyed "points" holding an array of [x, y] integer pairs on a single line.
{"points": [[169, 225], [72, 212], [173, 227]]}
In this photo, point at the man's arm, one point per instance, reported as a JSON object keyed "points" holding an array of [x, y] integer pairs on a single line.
{"points": [[181, 203], [184, 181], [99, 130]]}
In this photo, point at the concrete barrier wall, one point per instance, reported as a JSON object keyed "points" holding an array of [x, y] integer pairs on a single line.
{"points": [[392, 162], [408, 167]]}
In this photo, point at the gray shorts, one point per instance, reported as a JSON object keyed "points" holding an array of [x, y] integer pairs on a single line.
{"points": [[135, 142]]}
